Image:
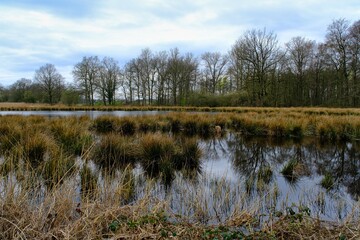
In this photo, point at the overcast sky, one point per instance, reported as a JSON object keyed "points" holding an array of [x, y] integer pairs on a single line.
{"points": [[61, 32]]}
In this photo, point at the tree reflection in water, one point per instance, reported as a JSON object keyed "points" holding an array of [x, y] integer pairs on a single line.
{"points": [[341, 160]]}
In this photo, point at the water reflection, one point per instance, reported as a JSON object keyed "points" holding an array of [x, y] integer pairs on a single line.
{"points": [[250, 157]]}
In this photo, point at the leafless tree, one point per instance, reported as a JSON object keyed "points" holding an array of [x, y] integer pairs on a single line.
{"points": [[109, 80], [299, 55], [338, 49], [161, 64], [86, 75], [147, 71], [50, 81], [354, 35], [260, 51], [214, 69], [182, 73]]}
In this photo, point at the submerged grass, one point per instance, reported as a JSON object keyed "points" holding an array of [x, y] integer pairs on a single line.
{"points": [[327, 182], [288, 170]]}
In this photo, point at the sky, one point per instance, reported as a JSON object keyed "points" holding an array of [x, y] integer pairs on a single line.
{"points": [[61, 32]]}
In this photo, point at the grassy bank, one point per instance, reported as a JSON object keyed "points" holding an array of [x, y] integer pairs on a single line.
{"points": [[5, 106], [282, 124]]}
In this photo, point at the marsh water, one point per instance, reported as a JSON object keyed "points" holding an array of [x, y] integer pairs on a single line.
{"points": [[242, 160], [229, 179], [239, 173]]}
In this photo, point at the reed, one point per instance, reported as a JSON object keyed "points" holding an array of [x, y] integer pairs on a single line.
{"points": [[156, 147], [265, 174], [89, 183], [310, 111], [10, 136], [190, 125], [296, 123], [57, 168], [53, 214], [174, 123], [41, 201], [126, 188]]}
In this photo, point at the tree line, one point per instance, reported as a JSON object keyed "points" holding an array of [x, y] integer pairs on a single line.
{"points": [[256, 71]]}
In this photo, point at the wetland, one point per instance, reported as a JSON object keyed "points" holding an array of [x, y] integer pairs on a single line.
{"points": [[237, 171]]}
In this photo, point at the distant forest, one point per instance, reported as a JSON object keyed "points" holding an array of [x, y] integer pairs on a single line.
{"points": [[256, 71]]}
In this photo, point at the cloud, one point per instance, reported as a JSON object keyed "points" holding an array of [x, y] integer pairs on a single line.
{"points": [[35, 32]]}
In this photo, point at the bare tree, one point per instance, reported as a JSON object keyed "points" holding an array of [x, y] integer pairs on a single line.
{"points": [[299, 55], [161, 64], [147, 67], [109, 80], [338, 48], [86, 75], [238, 70], [260, 51], [214, 69], [354, 35], [128, 82], [182, 73], [50, 81]]}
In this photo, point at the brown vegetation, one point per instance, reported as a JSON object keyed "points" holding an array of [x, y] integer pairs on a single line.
{"points": [[39, 197]]}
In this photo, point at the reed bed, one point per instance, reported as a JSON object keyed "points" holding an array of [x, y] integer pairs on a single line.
{"points": [[27, 211], [46, 193], [280, 125]]}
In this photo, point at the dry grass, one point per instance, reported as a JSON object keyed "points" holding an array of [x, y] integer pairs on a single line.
{"points": [[28, 213], [6, 106], [43, 201]]}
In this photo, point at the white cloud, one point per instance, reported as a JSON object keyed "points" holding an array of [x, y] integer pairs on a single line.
{"points": [[31, 37]]}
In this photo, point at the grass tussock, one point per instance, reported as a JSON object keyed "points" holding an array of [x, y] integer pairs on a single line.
{"points": [[113, 150], [288, 170], [56, 169], [105, 124], [72, 134], [327, 181]]}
